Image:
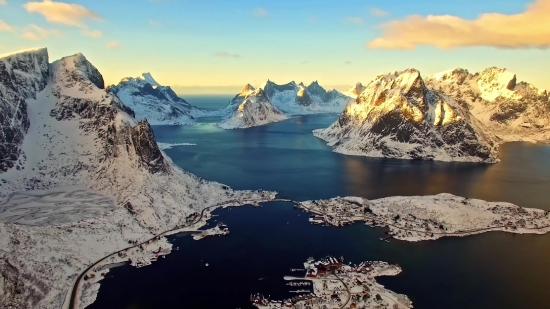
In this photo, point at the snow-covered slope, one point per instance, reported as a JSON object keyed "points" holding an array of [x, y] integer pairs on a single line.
{"points": [[511, 110], [79, 134], [396, 116], [22, 75], [297, 99], [158, 104], [253, 110]]}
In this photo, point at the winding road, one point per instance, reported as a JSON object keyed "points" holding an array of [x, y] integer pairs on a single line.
{"points": [[73, 302]]}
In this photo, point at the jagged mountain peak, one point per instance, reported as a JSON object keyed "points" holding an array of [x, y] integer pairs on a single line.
{"points": [[356, 90], [247, 88], [398, 116], [76, 68], [149, 78], [456, 75]]}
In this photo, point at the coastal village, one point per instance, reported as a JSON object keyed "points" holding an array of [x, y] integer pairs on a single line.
{"points": [[339, 285], [418, 218]]}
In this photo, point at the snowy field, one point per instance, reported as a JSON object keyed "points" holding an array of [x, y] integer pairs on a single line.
{"points": [[54, 206]]}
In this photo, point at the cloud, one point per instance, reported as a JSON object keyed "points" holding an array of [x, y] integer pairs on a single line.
{"points": [[260, 12], [304, 62], [5, 27], [226, 54], [155, 24], [528, 29], [378, 12], [347, 62], [3, 2], [62, 13], [36, 33], [353, 20], [112, 45]]}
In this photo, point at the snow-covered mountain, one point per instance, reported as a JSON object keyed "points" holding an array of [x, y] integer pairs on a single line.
{"points": [[61, 128], [158, 104], [253, 108], [297, 99], [22, 75], [510, 109], [396, 116]]}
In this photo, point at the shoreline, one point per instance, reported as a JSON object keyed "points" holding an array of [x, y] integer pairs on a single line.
{"points": [[75, 300]]}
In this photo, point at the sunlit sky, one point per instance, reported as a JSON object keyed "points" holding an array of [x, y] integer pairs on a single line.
{"points": [[217, 46]]}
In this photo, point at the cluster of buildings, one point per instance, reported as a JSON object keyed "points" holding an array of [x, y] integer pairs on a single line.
{"points": [[339, 285]]}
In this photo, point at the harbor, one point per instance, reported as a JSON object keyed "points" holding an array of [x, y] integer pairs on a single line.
{"points": [[339, 285]]}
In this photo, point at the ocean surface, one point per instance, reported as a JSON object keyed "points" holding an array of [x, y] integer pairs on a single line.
{"points": [[491, 270]]}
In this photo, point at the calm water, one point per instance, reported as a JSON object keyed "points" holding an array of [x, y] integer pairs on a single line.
{"points": [[492, 270]]}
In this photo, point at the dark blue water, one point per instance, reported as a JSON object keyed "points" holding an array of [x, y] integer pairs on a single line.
{"points": [[492, 270]]}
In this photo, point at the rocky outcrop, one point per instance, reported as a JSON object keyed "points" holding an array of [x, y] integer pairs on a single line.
{"points": [[396, 116], [146, 148], [22, 76]]}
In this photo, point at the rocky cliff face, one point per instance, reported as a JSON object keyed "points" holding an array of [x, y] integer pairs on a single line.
{"points": [[396, 116], [22, 75], [158, 104], [255, 110], [512, 110]]}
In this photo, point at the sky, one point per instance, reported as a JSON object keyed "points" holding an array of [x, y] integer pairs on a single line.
{"points": [[218, 46]]}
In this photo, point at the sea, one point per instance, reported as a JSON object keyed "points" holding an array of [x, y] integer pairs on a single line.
{"points": [[491, 270]]}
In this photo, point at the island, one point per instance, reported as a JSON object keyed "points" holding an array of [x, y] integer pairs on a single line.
{"points": [[417, 218], [337, 285]]}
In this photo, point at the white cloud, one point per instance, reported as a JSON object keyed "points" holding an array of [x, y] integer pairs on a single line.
{"points": [[260, 12], [112, 45], [226, 54], [353, 20], [528, 29], [378, 12], [3, 2], [62, 13], [5, 27], [155, 24], [96, 34], [36, 33]]}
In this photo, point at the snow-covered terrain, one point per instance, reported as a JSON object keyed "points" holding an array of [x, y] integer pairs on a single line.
{"points": [[297, 99], [514, 111], [396, 116], [294, 99], [254, 109], [29, 68], [416, 218], [79, 134], [158, 104]]}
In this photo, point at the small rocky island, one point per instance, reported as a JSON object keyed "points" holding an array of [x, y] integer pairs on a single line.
{"points": [[416, 218], [339, 285]]}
